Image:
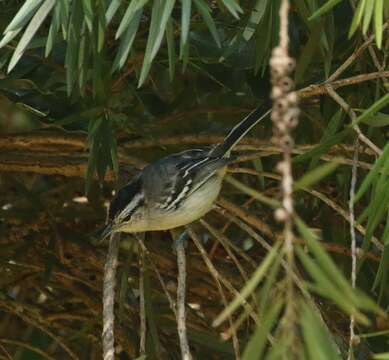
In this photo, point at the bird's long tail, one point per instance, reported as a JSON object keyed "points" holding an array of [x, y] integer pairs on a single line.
{"points": [[239, 130]]}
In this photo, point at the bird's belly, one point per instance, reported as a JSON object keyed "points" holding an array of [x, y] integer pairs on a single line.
{"points": [[192, 209]]}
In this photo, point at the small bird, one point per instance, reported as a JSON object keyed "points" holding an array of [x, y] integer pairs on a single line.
{"points": [[177, 189]]}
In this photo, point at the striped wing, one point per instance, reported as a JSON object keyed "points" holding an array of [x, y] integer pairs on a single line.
{"points": [[191, 170]]}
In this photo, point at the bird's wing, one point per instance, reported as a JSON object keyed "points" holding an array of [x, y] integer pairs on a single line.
{"points": [[184, 173]]}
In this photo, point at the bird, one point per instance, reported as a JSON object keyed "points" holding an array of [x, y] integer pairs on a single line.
{"points": [[178, 189]]}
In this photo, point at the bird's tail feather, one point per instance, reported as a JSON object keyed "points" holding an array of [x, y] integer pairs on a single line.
{"points": [[239, 130]]}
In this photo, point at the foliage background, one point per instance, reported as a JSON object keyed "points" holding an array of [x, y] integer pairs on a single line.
{"points": [[80, 105]]}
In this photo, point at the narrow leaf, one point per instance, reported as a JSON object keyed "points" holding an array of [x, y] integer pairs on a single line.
{"points": [[233, 7], [30, 31], [133, 8], [112, 9], [323, 147], [378, 20], [127, 41], [9, 36], [24, 14], [160, 14], [205, 12], [357, 17], [171, 49], [315, 175], [256, 345], [250, 286], [373, 173], [166, 11], [378, 105], [318, 341], [325, 8], [88, 13], [185, 22], [369, 8]]}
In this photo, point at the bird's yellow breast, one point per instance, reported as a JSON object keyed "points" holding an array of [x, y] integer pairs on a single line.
{"points": [[191, 209]]}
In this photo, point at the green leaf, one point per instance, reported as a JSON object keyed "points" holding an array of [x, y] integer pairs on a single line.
{"points": [[381, 356], [23, 16], [266, 36], [357, 17], [379, 104], [126, 41], [9, 36], [64, 15], [166, 10], [318, 342], [325, 287], [332, 272], [171, 49], [373, 173], [88, 13], [185, 23], [325, 8], [253, 193], [322, 257], [250, 286], [30, 31], [233, 7], [205, 12], [132, 9], [111, 11], [76, 30], [378, 120], [160, 14], [256, 16], [257, 343], [315, 175], [378, 205], [367, 15], [258, 166], [101, 28], [264, 295], [307, 54], [331, 129], [54, 27], [320, 149], [382, 275], [378, 21], [102, 149]]}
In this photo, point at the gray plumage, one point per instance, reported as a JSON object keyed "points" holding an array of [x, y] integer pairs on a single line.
{"points": [[177, 189]]}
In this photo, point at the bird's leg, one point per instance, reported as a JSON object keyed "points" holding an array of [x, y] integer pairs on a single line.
{"points": [[180, 238]]}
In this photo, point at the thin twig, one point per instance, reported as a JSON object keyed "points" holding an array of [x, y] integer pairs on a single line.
{"points": [[7, 354], [354, 56], [219, 277], [23, 314], [109, 297], [348, 110], [320, 89], [27, 346], [142, 307], [353, 245], [227, 244], [328, 201], [181, 289], [372, 52], [233, 328], [172, 303], [246, 216]]}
